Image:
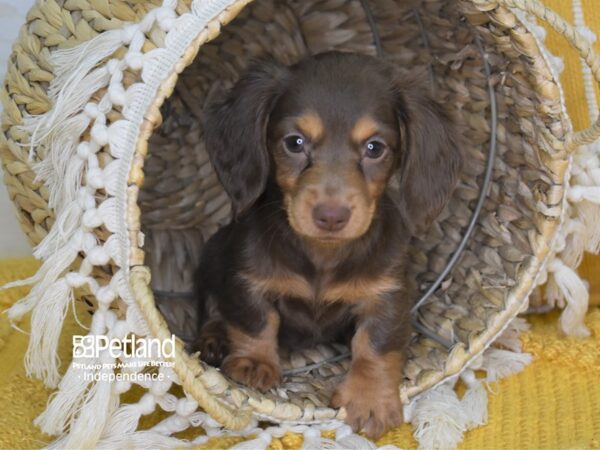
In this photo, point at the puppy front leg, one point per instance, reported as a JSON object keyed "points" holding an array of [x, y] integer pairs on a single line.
{"points": [[253, 359], [371, 390]]}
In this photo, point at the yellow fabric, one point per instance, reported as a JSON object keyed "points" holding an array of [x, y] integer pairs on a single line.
{"points": [[553, 404]]}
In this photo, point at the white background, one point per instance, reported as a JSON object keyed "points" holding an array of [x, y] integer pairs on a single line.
{"points": [[12, 239]]}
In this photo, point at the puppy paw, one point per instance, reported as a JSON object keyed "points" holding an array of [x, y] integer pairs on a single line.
{"points": [[212, 350], [370, 409], [212, 344], [259, 374]]}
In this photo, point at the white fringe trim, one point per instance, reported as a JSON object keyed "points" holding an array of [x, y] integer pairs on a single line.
{"points": [[440, 418], [41, 359], [575, 292]]}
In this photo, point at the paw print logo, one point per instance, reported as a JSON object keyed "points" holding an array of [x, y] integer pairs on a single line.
{"points": [[83, 346]]}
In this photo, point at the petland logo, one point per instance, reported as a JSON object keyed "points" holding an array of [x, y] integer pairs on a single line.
{"points": [[129, 347]]}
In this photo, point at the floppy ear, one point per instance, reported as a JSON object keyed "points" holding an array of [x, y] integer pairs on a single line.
{"points": [[431, 159], [235, 133]]}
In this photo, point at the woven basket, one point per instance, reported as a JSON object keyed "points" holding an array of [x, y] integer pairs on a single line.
{"points": [[140, 197]]}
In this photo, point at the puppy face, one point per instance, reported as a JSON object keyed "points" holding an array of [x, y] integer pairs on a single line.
{"points": [[334, 143], [330, 132]]}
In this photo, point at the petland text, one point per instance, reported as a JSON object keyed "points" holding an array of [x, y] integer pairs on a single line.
{"points": [[92, 346]]}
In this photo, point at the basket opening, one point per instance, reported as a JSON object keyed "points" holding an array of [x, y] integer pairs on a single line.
{"points": [[183, 204]]}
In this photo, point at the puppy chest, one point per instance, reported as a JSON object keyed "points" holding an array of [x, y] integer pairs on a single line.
{"points": [[324, 288]]}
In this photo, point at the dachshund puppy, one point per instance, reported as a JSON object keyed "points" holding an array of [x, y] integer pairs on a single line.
{"points": [[317, 248]]}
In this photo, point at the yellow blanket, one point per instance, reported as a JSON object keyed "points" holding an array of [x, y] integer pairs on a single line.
{"points": [[554, 403]]}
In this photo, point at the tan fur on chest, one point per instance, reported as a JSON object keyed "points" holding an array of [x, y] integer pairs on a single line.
{"points": [[296, 286], [280, 284], [359, 289]]}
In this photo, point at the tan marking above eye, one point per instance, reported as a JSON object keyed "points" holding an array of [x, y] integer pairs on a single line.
{"points": [[363, 129], [310, 125]]}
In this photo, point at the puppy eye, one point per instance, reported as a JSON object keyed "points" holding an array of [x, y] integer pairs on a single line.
{"points": [[294, 143], [374, 149]]}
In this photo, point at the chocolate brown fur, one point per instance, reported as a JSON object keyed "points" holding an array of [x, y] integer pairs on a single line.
{"points": [[317, 248]]}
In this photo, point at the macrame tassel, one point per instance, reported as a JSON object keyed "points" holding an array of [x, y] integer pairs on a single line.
{"points": [[353, 441], [588, 193], [313, 439], [500, 363], [98, 406], [475, 401], [125, 419], [69, 399], [439, 419], [45, 128], [57, 259], [65, 226], [66, 401], [345, 438], [35, 278], [575, 241], [584, 194], [72, 63], [172, 424], [66, 136], [144, 439], [589, 214], [576, 294], [41, 359], [261, 442], [61, 169], [46, 276]]}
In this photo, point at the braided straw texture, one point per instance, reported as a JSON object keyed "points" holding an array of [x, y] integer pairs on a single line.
{"points": [[174, 202]]}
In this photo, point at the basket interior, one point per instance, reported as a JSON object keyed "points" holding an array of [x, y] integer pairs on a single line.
{"points": [[182, 202]]}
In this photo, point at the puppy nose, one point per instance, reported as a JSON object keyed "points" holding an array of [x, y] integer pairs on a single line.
{"points": [[331, 217]]}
